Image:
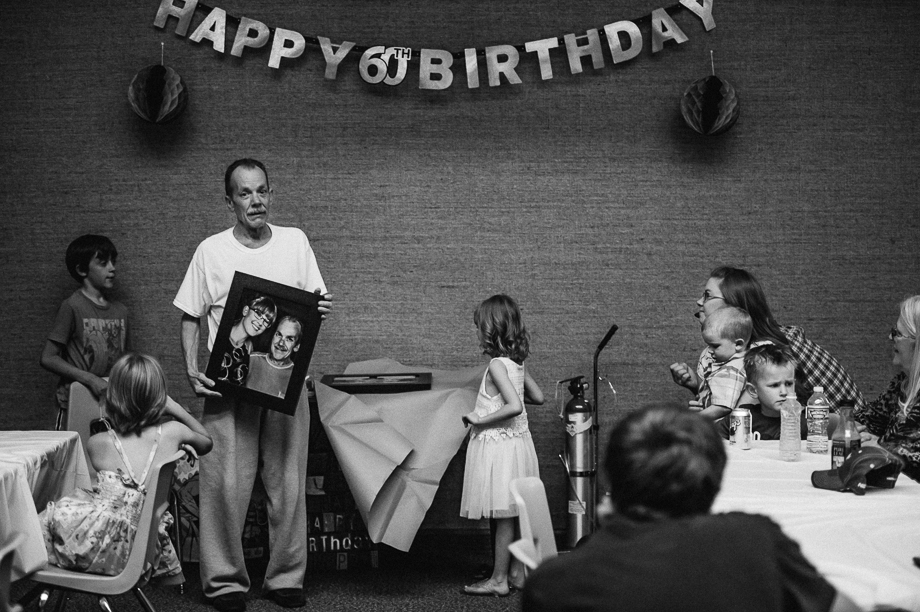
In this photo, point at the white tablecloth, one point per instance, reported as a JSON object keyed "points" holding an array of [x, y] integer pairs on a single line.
{"points": [[35, 467], [864, 545]]}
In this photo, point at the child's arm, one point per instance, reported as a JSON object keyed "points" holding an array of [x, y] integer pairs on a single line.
{"points": [[684, 376], [513, 405], [532, 393], [196, 436], [714, 412], [52, 361]]}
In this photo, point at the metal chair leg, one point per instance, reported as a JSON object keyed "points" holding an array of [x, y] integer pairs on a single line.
{"points": [[142, 597], [63, 598], [43, 600], [38, 589], [177, 528], [177, 522]]}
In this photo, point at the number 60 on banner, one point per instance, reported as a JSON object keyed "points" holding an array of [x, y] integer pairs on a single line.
{"points": [[388, 64]]}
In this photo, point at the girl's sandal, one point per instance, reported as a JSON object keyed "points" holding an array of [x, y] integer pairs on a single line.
{"points": [[486, 587]]}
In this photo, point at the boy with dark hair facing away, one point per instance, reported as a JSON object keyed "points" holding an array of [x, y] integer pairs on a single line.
{"points": [[90, 331], [659, 547], [770, 370], [726, 333]]}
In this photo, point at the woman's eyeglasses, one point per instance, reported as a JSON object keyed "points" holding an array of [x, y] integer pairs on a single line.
{"points": [[708, 296], [894, 334], [265, 317]]}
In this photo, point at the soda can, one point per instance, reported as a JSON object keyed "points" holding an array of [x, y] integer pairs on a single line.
{"points": [[739, 428]]}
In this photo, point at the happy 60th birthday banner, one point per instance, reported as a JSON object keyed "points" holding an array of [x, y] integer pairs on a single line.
{"points": [[389, 65]]}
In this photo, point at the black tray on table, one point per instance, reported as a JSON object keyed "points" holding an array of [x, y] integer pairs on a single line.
{"points": [[378, 383]]}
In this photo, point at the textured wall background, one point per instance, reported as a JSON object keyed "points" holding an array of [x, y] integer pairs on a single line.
{"points": [[585, 197]]}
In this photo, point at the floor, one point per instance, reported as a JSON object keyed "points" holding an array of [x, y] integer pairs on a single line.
{"points": [[428, 578]]}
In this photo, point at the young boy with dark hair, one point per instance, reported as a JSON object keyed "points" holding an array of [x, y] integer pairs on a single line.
{"points": [[770, 370], [90, 331], [659, 547], [726, 333]]}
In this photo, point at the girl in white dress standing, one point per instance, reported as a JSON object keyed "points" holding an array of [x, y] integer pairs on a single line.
{"points": [[500, 448]]}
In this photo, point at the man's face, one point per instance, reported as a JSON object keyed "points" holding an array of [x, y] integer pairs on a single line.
{"points": [[774, 384], [285, 341], [250, 198]]}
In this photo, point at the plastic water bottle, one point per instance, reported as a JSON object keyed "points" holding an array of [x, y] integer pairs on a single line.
{"points": [[817, 412], [790, 436]]}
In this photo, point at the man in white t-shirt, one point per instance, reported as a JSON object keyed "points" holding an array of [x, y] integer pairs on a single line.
{"points": [[243, 433]]}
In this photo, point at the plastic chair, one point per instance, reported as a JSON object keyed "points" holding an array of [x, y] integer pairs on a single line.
{"points": [[538, 542], [141, 556], [7, 551], [83, 408]]}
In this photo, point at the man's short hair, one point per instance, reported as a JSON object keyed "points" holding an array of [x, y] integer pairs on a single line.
{"points": [[246, 162], [294, 320], [730, 322], [757, 357], [82, 250], [664, 462]]}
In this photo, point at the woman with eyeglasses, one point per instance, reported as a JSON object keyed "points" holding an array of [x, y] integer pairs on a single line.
{"points": [[895, 416], [257, 316], [739, 288]]}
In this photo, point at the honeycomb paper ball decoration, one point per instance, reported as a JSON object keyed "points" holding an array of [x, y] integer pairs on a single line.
{"points": [[158, 94], [710, 106]]}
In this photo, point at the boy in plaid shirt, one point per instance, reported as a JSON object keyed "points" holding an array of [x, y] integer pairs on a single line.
{"points": [[721, 366]]}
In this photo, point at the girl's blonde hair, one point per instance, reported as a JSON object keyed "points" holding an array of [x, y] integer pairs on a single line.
{"points": [[136, 395], [910, 317], [501, 330]]}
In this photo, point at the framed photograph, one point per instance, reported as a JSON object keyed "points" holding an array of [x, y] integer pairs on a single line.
{"points": [[265, 342]]}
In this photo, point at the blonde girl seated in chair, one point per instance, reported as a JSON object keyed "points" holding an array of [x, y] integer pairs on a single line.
{"points": [[93, 531]]}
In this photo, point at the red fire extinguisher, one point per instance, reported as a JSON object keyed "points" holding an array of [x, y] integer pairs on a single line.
{"points": [[580, 461]]}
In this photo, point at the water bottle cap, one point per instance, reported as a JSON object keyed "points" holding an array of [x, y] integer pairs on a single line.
{"points": [[819, 389]]}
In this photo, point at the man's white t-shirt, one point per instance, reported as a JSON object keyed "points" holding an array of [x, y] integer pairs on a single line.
{"points": [[287, 258]]}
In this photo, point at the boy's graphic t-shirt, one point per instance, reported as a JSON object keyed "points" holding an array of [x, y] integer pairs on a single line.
{"points": [[93, 337]]}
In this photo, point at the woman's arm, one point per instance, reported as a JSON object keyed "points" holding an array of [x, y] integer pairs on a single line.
{"points": [[821, 368], [876, 415]]}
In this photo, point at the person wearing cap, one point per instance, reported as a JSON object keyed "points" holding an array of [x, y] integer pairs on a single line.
{"points": [[659, 548], [895, 415]]}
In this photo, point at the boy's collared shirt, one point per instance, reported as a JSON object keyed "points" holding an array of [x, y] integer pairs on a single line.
{"points": [[721, 384]]}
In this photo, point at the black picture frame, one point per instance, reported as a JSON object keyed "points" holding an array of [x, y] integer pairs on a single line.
{"points": [[250, 297]]}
